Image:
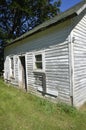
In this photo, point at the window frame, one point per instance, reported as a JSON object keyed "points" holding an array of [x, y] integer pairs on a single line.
{"points": [[42, 53]]}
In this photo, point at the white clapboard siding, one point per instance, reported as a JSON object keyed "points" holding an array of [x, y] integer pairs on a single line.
{"points": [[16, 74], [57, 70], [79, 34], [29, 65], [8, 72], [7, 68]]}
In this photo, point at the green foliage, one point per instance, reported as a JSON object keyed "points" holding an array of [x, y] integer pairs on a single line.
{"points": [[19, 16], [67, 109], [46, 106]]}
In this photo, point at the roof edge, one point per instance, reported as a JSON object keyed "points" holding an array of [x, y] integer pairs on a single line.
{"points": [[75, 10]]}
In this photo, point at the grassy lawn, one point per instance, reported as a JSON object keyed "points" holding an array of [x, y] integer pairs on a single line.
{"points": [[23, 111]]}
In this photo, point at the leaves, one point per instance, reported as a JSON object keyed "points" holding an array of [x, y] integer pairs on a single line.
{"points": [[17, 17]]}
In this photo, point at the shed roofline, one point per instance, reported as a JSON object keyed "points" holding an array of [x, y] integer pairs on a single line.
{"points": [[74, 11]]}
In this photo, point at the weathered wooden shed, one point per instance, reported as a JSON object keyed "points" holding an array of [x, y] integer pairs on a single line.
{"points": [[50, 60]]}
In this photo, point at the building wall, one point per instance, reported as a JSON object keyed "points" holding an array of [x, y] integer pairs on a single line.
{"points": [[56, 71], [79, 43], [7, 68], [54, 43]]}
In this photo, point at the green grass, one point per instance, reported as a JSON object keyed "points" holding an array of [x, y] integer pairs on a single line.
{"points": [[23, 111]]}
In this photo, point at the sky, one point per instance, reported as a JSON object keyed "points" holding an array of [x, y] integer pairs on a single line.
{"points": [[66, 4]]}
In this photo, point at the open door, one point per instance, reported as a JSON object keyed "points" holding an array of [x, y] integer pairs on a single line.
{"points": [[22, 73]]}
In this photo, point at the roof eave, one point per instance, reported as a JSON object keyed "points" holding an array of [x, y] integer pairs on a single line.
{"points": [[36, 29], [81, 9], [76, 10]]}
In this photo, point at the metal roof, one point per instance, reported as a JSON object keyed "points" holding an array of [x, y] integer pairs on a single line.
{"points": [[75, 10]]}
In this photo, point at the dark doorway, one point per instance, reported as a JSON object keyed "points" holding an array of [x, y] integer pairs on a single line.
{"points": [[23, 64]]}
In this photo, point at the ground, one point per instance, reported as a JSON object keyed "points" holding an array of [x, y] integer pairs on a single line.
{"points": [[22, 111]]}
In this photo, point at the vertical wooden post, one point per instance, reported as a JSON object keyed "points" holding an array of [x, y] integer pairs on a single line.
{"points": [[71, 67]]}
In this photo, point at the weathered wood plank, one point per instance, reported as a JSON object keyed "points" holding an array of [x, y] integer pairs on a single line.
{"points": [[80, 61]]}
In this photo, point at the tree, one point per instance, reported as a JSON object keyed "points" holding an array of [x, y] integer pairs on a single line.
{"points": [[19, 16]]}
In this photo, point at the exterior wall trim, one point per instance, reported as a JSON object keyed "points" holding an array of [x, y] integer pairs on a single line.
{"points": [[42, 52], [71, 64]]}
